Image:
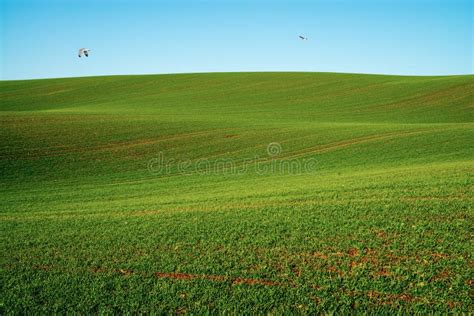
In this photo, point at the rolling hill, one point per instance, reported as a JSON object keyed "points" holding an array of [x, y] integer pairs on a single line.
{"points": [[237, 192]]}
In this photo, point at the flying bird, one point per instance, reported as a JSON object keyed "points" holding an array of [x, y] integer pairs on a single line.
{"points": [[303, 38], [84, 51]]}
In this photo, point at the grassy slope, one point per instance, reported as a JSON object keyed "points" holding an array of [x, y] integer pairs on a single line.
{"points": [[382, 220]]}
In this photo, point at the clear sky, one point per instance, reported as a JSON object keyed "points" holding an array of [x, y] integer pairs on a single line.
{"points": [[40, 38]]}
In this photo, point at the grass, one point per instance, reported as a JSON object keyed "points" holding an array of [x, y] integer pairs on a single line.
{"points": [[160, 193]]}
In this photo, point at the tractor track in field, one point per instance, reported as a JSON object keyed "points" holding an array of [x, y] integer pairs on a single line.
{"points": [[347, 143], [297, 154], [451, 92], [233, 206], [308, 151], [113, 146]]}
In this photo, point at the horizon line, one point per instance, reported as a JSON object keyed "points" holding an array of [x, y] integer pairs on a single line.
{"points": [[241, 72]]}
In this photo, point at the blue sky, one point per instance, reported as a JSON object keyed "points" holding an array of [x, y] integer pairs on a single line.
{"points": [[40, 38]]}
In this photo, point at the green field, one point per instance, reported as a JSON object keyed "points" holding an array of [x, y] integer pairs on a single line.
{"points": [[237, 193]]}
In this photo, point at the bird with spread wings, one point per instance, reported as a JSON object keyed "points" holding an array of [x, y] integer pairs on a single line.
{"points": [[84, 52]]}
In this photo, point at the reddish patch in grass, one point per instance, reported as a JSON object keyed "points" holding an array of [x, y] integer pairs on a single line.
{"points": [[440, 276], [320, 255], [439, 255], [177, 276], [353, 264], [383, 273], [353, 252], [335, 270], [402, 297]]}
